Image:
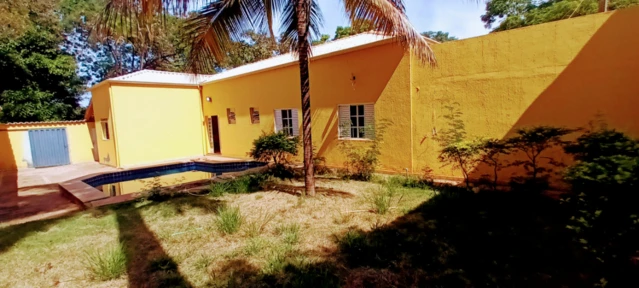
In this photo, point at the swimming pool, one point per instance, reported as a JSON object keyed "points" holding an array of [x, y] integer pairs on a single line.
{"points": [[132, 181]]}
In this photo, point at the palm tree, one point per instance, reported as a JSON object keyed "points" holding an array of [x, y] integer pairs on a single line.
{"points": [[211, 30]]}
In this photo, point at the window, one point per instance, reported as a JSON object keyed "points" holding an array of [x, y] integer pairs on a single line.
{"points": [[356, 121], [230, 114], [255, 115], [286, 120], [104, 123]]}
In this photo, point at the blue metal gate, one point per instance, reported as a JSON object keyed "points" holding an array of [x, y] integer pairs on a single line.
{"points": [[49, 147]]}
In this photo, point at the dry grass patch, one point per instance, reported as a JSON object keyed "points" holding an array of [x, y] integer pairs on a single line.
{"points": [[179, 242]]}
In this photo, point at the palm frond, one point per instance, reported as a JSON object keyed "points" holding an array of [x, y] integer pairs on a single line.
{"points": [[290, 36], [212, 30], [389, 18], [271, 8]]}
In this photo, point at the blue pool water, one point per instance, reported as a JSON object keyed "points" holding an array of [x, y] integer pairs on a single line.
{"points": [[144, 173]]}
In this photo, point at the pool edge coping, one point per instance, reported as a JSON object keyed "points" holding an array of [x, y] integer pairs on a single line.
{"points": [[87, 196]]}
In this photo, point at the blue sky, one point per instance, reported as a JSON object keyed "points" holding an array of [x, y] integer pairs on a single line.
{"points": [[458, 17]]}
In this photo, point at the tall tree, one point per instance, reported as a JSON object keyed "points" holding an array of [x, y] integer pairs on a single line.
{"points": [[40, 82], [215, 26], [358, 27], [439, 36], [512, 14]]}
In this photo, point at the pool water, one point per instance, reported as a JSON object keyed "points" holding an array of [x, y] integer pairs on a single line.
{"points": [[145, 184], [132, 181]]}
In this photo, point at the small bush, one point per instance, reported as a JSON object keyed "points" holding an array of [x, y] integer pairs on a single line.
{"points": [[382, 200], [604, 214], [106, 265], [361, 162], [254, 246], [219, 188], [229, 220], [203, 262], [255, 228], [409, 182], [240, 185], [276, 147], [289, 233], [352, 238]]}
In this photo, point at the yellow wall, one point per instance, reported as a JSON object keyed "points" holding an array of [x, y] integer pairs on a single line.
{"points": [[561, 73], [102, 110], [154, 124], [14, 143], [382, 77]]}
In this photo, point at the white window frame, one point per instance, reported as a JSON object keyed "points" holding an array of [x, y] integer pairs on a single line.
{"points": [[292, 121], [367, 122], [104, 126], [287, 122]]}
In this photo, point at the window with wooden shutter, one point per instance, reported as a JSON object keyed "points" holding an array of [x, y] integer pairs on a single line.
{"points": [[356, 121], [255, 115], [230, 114], [286, 120]]}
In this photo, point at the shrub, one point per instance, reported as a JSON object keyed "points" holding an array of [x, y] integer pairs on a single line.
{"points": [[255, 228], [491, 150], [276, 147], [383, 198], [219, 188], [604, 180], [240, 185], [361, 162], [106, 265], [289, 233], [533, 142], [229, 219], [462, 155]]}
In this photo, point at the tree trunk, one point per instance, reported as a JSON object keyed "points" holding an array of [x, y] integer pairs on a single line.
{"points": [[603, 5], [303, 10]]}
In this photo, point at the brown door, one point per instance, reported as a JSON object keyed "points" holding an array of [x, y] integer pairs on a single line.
{"points": [[215, 134]]}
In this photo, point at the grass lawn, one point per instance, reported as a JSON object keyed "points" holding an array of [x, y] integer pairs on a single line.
{"points": [[353, 234], [182, 241]]}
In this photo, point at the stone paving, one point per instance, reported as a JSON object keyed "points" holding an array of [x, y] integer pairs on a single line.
{"points": [[34, 194]]}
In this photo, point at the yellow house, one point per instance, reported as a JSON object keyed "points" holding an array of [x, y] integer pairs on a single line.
{"points": [[564, 73], [147, 117]]}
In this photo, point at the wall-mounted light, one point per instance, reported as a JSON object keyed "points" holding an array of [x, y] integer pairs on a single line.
{"points": [[353, 81], [208, 99]]}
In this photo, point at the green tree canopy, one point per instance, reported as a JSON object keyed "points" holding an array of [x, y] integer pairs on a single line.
{"points": [[521, 13], [439, 36], [40, 82]]}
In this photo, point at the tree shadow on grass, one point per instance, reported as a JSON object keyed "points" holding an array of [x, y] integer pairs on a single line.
{"points": [[297, 190], [148, 265], [458, 239]]}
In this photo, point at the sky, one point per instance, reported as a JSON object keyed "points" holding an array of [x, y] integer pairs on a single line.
{"points": [[460, 18]]}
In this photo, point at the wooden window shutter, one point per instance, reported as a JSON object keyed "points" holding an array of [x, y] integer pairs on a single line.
{"points": [[344, 127], [278, 120], [296, 123], [255, 115], [369, 119], [230, 114]]}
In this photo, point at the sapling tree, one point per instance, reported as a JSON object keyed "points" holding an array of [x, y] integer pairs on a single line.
{"points": [[533, 142], [463, 155], [491, 151]]}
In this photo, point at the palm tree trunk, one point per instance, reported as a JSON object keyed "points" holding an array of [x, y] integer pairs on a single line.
{"points": [[303, 10]]}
